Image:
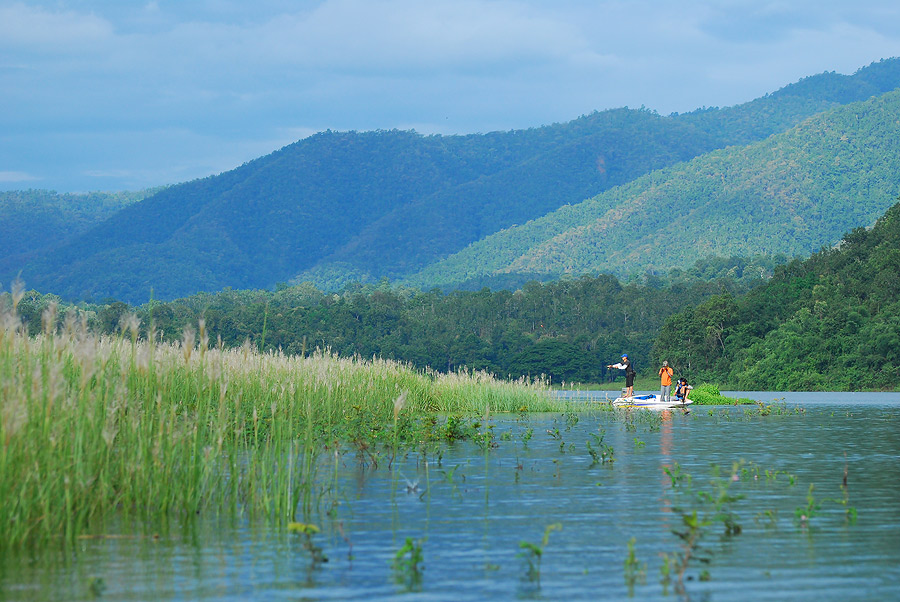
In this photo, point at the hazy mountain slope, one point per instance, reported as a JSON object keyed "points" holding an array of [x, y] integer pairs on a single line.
{"points": [[601, 151], [265, 220], [791, 194], [34, 219], [593, 153], [365, 205]]}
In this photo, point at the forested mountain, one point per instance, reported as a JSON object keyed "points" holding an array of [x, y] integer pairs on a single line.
{"points": [[791, 193], [360, 206], [31, 220], [831, 322]]}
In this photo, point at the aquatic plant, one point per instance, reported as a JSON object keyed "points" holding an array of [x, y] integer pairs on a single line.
{"points": [[706, 509], [805, 513], [532, 553], [306, 531], [635, 571], [709, 394], [94, 426], [603, 453], [408, 564]]}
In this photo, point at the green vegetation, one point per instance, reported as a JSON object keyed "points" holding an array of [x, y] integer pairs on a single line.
{"points": [[567, 331], [31, 220], [708, 394], [341, 207], [95, 427], [831, 322], [791, 193]]}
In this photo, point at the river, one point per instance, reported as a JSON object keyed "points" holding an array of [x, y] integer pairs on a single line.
{"points": [[478, 516]]}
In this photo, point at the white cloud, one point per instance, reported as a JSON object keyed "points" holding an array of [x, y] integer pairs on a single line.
{"points": [[31, 28], [17, 176], [108, 74]]}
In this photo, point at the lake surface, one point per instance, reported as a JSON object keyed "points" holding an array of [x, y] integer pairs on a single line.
{"points": [[470, 509]]}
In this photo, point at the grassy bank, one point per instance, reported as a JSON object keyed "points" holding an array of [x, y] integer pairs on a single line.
{"points": [[99, 426]]}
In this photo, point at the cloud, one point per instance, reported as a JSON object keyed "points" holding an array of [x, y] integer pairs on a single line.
{"points": [[35, 29], [104, 77], [16, 176]]}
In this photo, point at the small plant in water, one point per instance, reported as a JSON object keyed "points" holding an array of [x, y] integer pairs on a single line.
{"points": [[714, 506], [677, 476], [532, 552], [407, 564], [527, 435], [635, 571], [603, 453], [306, 532], [805, 513]]}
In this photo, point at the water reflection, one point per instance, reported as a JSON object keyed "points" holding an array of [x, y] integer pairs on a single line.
{"points": [[472, 509]]}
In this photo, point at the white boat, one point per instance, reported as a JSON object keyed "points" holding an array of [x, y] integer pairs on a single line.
{"points": [[650, 402]]}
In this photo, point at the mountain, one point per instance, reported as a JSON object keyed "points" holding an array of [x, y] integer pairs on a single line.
{"points": [[31, 220], [791, 194], [361, 206], [828, 323]]}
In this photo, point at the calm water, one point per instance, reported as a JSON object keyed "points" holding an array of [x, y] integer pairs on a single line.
{"points": [[471, 511]]}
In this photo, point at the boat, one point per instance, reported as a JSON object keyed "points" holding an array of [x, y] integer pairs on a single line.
{"points": [[650, 402]]}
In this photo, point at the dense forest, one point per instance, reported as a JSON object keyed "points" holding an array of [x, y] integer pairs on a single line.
{"points": [[831, 322], [568, 330], [31, 220], [791, 193], [341, 207]]}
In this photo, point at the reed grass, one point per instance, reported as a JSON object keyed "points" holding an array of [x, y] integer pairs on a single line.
{"points": [[98, 426]]}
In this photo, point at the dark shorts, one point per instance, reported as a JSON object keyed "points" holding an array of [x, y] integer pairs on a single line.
{"points": [[629, 379]]}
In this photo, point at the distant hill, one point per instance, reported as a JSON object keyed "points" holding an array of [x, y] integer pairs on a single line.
{"points": [[337, 207], [791, 194], [31, 220]]}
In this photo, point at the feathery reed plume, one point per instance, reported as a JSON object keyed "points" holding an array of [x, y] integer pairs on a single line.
{"points": [[18, 291], [399, 403], [204, 337], [187, 342], [131, 323], [48, 318]]}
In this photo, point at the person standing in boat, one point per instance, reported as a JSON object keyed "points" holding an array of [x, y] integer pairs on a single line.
{"points": [[665, 384], [628, 367]]}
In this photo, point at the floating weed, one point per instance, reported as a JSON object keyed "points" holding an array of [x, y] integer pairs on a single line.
{"points": [[850, 513], [638, 443], [96, 586], [571, 419], [768, 517], [306, 532]]}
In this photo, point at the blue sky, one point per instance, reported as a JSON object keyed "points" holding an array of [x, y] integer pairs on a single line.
{"points": [[115, 94]]}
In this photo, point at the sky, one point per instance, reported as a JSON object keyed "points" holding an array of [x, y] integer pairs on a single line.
{"points": [[121, 95]]}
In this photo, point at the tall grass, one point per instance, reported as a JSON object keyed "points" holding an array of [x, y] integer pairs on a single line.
{"points": [[97, 426]]}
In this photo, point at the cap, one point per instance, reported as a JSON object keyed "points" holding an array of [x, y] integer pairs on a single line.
{"points": [[665, 363], [625, 356]]}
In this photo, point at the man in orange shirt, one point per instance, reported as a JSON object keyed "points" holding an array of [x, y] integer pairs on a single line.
{"points": [[665, 375]]}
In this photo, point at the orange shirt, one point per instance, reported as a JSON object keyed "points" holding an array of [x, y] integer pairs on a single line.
{"points": [[666, 374]]}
